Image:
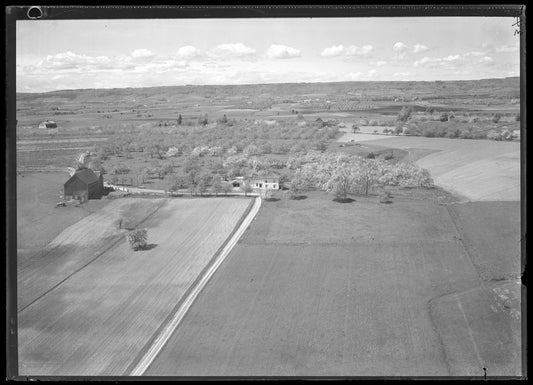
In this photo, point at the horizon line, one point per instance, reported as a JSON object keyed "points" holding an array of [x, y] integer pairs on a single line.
{"points": [[263, 84]]}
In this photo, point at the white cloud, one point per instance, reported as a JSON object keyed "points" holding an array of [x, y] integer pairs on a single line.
{"points": [[452, 58], [372, 73], [399, 47], [142, 53], [188, 52], [234, 50], [401, 74], [473, 53], [354, 50], [486, 60], [355, 76], [278, 51], [419, 48], [350, 51], [428, 62], [508, 48], [335, 50], [381, 63]]}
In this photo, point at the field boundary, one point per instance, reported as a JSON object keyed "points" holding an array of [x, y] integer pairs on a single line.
{"points": [[167, 328]]}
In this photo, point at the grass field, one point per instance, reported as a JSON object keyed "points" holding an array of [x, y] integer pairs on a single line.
{"points": [[38, 220], [100, 318], [479, 170], [76, 246], [317, 287]]}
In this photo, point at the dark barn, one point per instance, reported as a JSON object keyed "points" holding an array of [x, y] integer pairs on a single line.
{"points": [[83, 185]]}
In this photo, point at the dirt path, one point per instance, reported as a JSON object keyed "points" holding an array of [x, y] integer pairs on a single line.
{"points": [[188, 300]]}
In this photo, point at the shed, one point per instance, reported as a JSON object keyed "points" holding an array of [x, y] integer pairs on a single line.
{"points": [[48, 124], [84, 184]]}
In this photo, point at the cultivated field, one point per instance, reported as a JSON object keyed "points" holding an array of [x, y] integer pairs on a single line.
{"points": [[317, 287], [38, 220], [479, 170], [77, 245], [99, 319]]}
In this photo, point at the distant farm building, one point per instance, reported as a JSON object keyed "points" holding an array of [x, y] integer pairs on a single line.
{"points": [[267, 182], [48, 124], [83, 185]]}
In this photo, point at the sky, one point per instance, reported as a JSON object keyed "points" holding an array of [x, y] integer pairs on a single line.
{"points": [[72, 54]]}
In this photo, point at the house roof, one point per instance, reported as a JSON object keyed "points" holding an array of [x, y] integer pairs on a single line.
{"points": [[269, 175], [86, 175]]}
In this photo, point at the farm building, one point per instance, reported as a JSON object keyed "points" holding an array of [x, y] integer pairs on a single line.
{"points": [[269, 182], [48, 124], [83, 185]]}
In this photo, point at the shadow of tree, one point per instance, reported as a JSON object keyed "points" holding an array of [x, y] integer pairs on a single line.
{"points": [[272, 200], [149, 246], [299, 197], [343, 200]]}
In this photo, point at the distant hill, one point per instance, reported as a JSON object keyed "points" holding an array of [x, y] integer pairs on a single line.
{"points": [[507, 87]]}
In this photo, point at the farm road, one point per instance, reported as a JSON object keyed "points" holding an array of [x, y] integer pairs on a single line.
{"points": [[189, 298]]}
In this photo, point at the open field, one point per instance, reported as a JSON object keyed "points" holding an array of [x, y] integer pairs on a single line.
{"points": [[42, 269], [38, 220], [317, 287], [491, 232], [99, 319], [487, 318], [480, 170]]}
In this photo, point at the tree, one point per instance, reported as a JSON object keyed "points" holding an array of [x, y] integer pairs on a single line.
{"points": [[398, 129], [223, 120], [340, 182], [217, 186], [203, 181], [179, 120], [202, 120], [299, 183], [137, 239], [227, 187], [355, 128], [405, 114], [246, 188]]}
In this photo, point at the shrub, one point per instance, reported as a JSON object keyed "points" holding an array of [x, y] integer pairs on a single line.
{"points": [[137, 239], [496, 117], [443, 117]]}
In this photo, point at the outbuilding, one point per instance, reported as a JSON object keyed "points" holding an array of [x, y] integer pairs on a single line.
{"points": [[83, 185], [48, 124]]}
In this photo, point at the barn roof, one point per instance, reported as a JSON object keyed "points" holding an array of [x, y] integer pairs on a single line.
{"points": [[86, 175]]}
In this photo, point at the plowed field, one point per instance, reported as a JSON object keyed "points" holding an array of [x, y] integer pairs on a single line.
{"points": [[100, 317]]}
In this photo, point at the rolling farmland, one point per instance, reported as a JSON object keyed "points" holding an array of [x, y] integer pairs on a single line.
{"points": [[99, 319], [479, 170], [322, 288]]}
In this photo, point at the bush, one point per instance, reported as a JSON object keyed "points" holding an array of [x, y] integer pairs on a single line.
{"points": [[443, 117], [137, 239]]}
